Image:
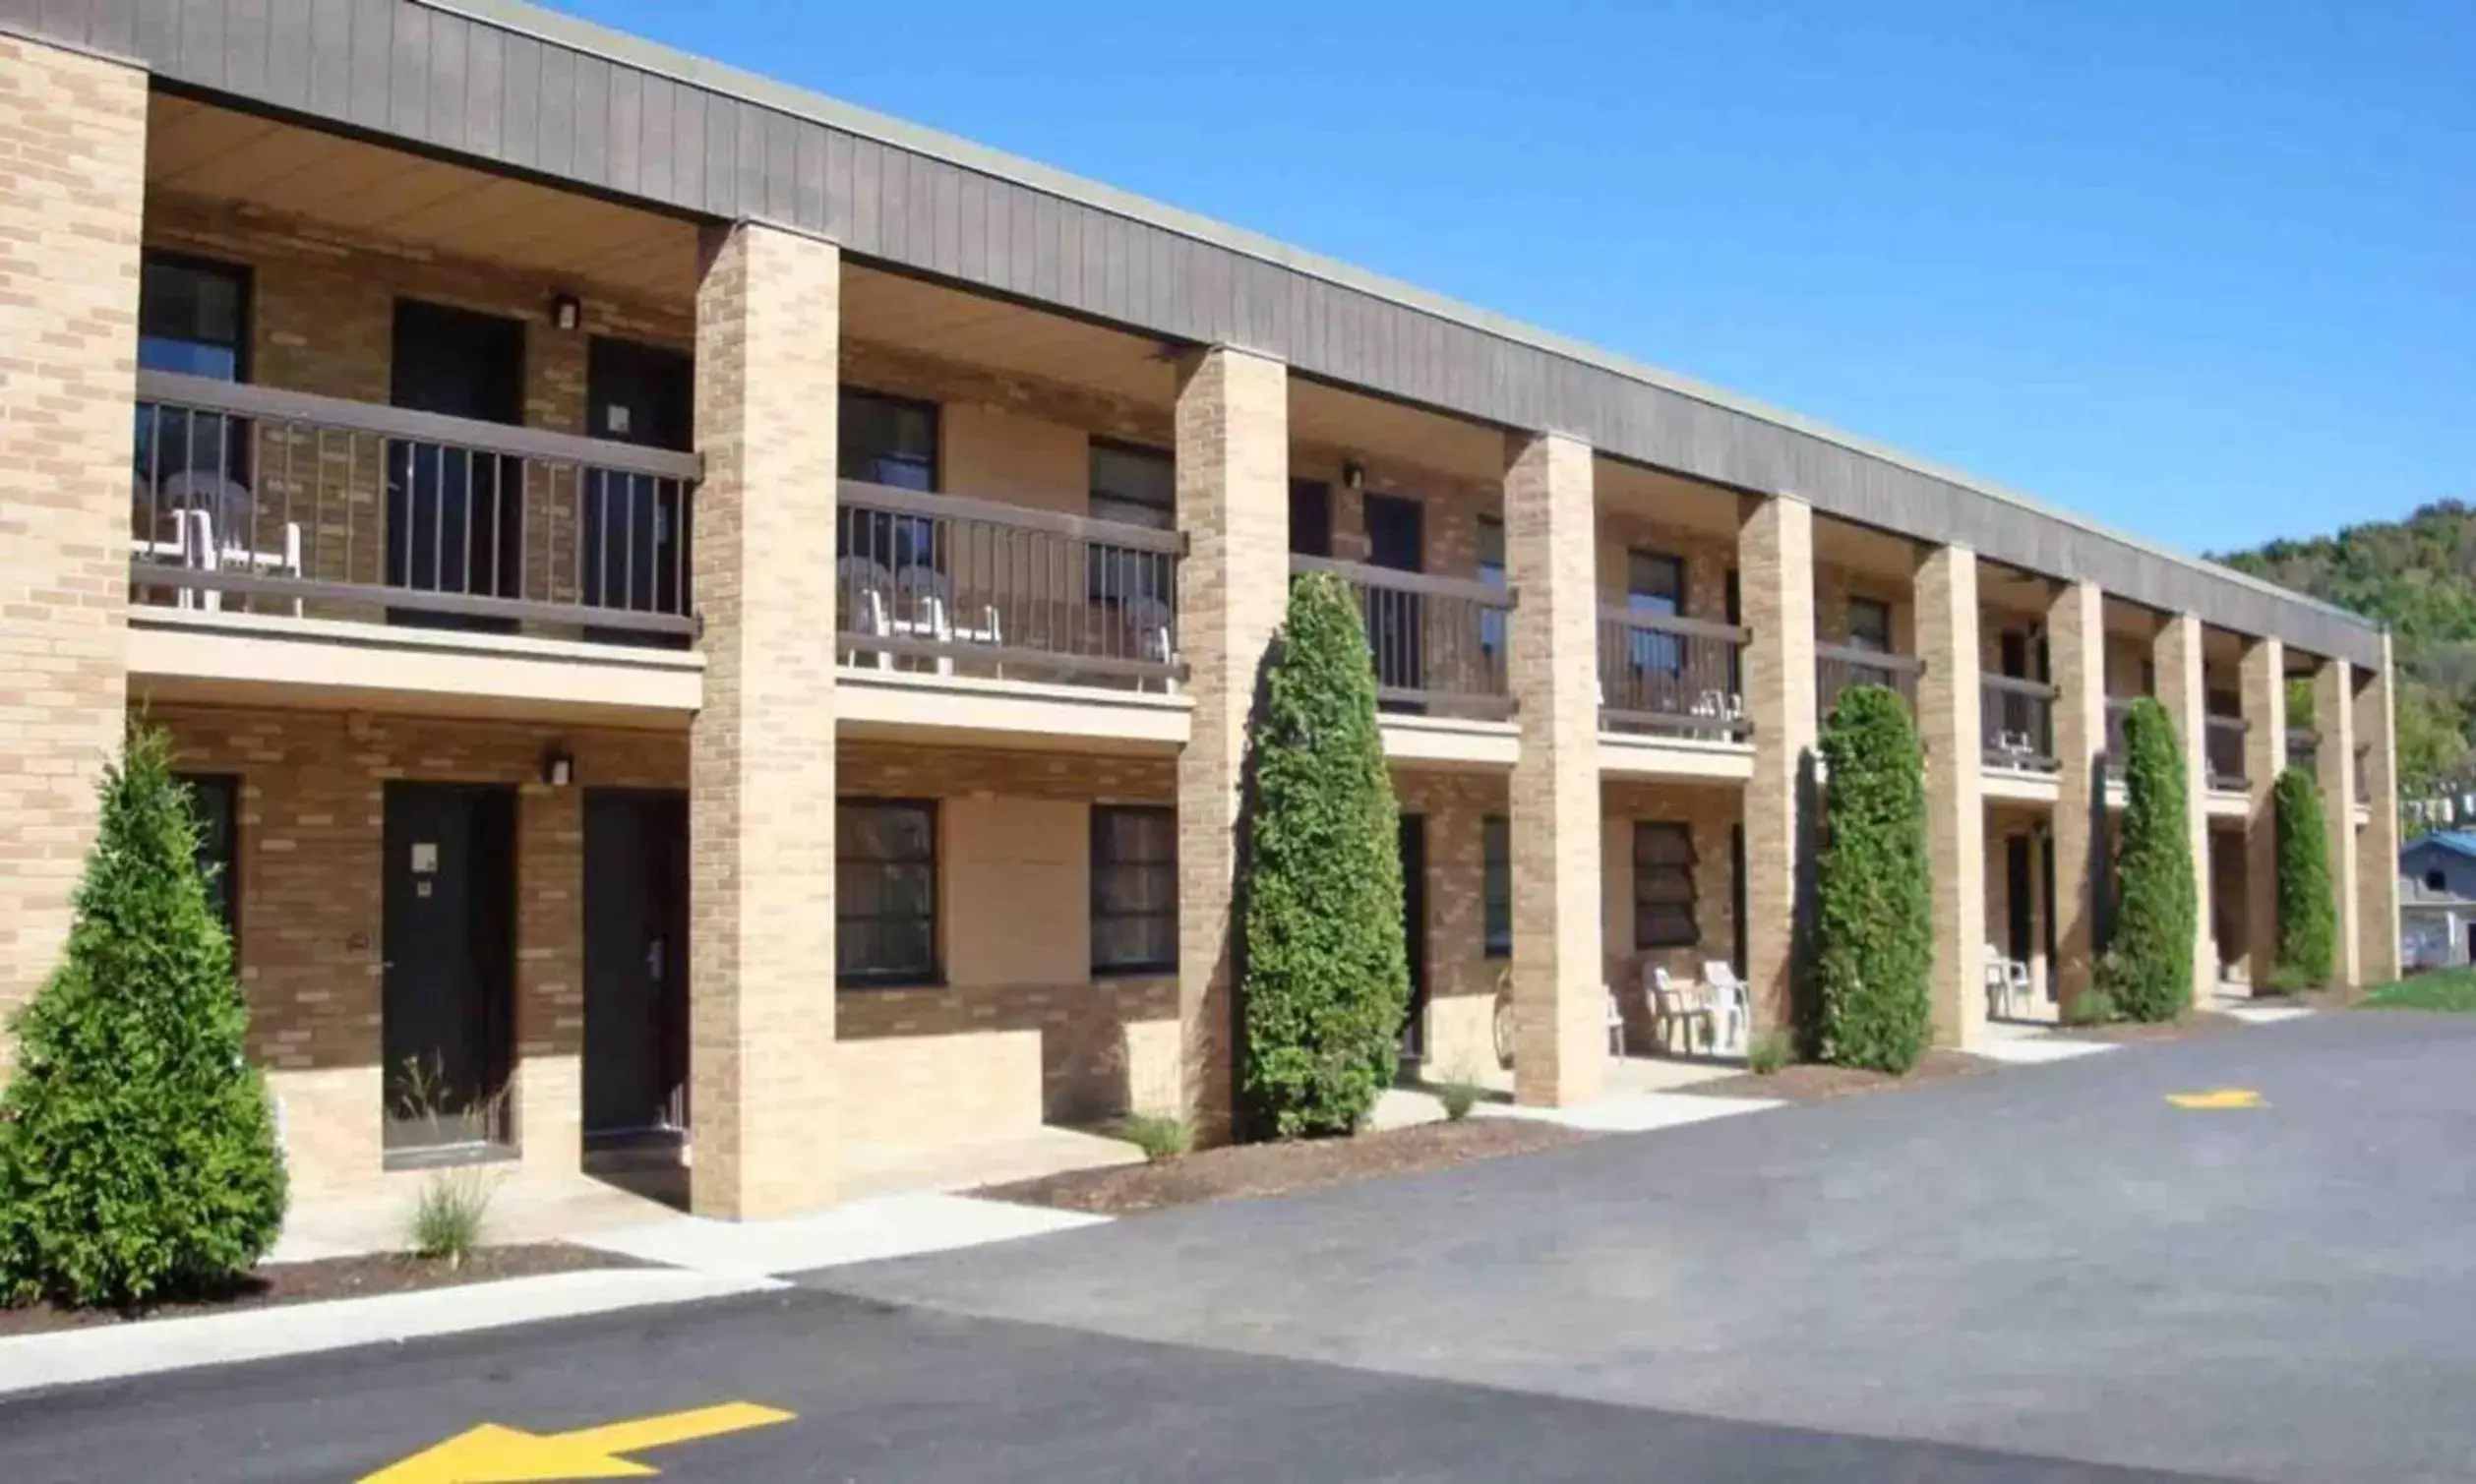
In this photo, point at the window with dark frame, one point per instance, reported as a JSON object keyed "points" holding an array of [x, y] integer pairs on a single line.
{"points": [[1131, 485], [1654, 583], [214, 801], [886, 892], [1496, 884], [1663, 886], [1134, 889], [1491, 621], [193, 320], [1870, 624], [889, 440]]}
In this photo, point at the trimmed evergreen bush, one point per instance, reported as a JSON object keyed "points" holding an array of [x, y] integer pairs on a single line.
{"points": [[1874, 928], [1326, 980], [2307, 910], [138, 1154], [2147, 971]]}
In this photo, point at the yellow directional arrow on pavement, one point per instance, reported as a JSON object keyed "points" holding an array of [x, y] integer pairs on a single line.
{"points": [[2216, 1098], [495, 1455]]}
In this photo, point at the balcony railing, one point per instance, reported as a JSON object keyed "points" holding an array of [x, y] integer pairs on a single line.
{"points": [[1659, 672], [2304, 747], [2018, 720], [2117, 748], [1439, 644], [247, 497], [1837, 666], [956, 585], [2224, 750]]}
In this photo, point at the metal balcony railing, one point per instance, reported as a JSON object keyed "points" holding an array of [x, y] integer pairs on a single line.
{"points": [[1659, 672], [249, 498], [957, 585], [1439, 644], [2016, 718], [1837, 666]]}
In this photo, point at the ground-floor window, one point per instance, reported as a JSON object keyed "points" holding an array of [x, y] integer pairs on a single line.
{"points": [[885, 891], [214, 798], [1134, 889], [1496, 883], [1663, 886]]}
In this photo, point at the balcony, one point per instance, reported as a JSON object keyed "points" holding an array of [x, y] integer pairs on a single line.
{"points": [[950, 586], [2223, 752], [2117, 748], [1439, 644], [1660, 673], [1838, 667], [2016, 719], [251, 499]]}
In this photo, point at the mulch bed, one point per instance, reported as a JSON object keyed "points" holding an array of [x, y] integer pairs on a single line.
{"points": [[1273, 1169], [1818, 1081], [2131, 1032], [328, 1277]]}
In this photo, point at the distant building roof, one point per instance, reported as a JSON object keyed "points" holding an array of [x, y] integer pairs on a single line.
{"points": [[2457, 842]]}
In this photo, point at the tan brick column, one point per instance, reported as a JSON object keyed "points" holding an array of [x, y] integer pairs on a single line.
{"points": [[2334, 719], [1559, 992], [2177, 655], [761, 808], [1949, 701], [1775, 588], [2075, 642], [73, 144], [2377, 852], [1232, 588], [2264, 682]]}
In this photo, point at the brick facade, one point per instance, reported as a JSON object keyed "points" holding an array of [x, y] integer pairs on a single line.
{"points": [[1949, 698], [2076, 646], [73, 139], [1775, 562], [1710, 814], [2262, 675]]}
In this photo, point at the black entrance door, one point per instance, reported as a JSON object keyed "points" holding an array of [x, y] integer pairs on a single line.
{"points": [[635, 525], [1395, 539], [635, 962], [456, 518], [1415, 932], [449, 958], [2020, 886]]}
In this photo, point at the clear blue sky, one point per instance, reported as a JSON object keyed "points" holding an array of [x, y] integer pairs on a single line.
{"points": [[2205, 270]]}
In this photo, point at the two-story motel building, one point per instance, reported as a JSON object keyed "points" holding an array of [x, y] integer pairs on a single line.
{"points": [[698, 612]]}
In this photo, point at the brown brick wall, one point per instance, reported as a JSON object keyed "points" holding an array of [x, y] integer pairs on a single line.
{"points": [[72, 161], [1710, 814], [1463, 982]]}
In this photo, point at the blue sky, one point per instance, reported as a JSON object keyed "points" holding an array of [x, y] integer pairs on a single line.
{"points": [[2202, 268]]}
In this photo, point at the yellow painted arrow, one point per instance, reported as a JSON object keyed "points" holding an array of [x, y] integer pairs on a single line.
{"points": [[494, 1454], [2216, 1098]]}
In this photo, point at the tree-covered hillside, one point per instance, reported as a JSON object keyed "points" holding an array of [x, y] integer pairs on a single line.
{"points": [[2418, 575]]}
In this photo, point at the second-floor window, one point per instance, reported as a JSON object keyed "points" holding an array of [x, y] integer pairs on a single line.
{"points": [[1131, 485], [887, 441], [1870, 624], [1654, 583], [1491, 621], [193, 318]]}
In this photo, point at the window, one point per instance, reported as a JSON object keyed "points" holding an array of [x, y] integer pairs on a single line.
{"points": [[893, 442], [1654, 583], [1870, 624], [1491, 621], [885, 891], [1311, 517], [215, 799], [1134, 889], [1496, 883], [2434, 881], [1663, 886], [1132, 486], [193, 318]]}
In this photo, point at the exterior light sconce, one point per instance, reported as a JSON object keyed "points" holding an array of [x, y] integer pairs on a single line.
{"points": [[567, 312], [1354, 474], [559, 767]]}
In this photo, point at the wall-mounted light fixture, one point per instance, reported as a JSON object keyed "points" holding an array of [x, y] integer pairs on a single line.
{"points": [[565, 312], [1354, 474], [559, 766]]}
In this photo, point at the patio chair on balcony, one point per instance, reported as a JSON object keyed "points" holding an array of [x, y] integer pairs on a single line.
{"points": [[194, 547], [867, 586], [924, 600], [1149, 618]]}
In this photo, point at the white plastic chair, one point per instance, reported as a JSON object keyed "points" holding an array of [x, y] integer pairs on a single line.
{"points": [[1615, 1026], [865, 584], [1150, 619], [2007, 984], [1734, 1003], [1676, 1007]]}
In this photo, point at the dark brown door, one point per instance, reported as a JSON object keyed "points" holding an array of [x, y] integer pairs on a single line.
{"points": [[635, 962], [454, 517], [1414, 846], [2019, 889], [635, 553], [1395, 539], [448, 935], [1311, 517]]}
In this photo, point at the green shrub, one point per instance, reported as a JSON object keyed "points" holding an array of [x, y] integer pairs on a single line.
{"points": [[138, 1152], [1874, 930], [1160, 1136], [450, 1216], [1766, 1052], [2094, 1007], [1325, 981], [2307, 911], [2147, 971], [1459, 1094]]}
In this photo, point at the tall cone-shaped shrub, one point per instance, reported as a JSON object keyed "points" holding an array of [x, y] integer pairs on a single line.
{"points": [[2148, 970], [1326, 982], [2307, 910], [137, 1154], [1874, 923]]}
